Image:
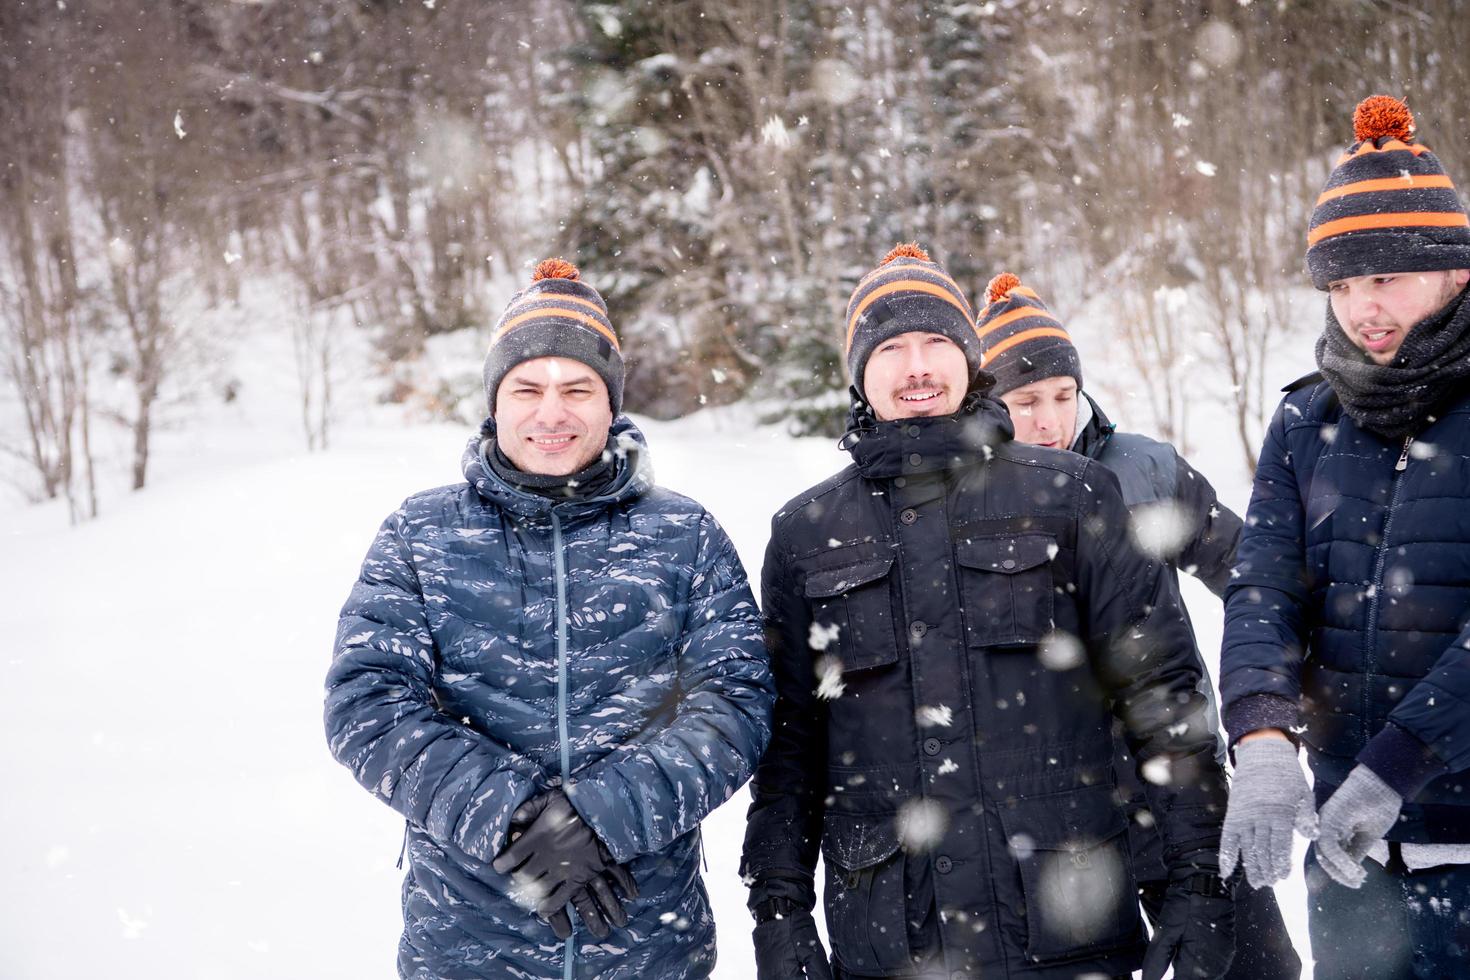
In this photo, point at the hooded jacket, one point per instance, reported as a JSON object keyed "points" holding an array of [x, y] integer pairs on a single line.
{"points": [[499, 643], [954, 620]]}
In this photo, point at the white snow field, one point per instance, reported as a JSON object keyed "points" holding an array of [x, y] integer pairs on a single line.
{"points": [[170, 809]]}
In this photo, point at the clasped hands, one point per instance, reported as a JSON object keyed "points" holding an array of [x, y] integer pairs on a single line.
{"points": [[555, 860]]}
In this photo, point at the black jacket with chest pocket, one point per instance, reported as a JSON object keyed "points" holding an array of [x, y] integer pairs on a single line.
{"points": [[954, 621]]}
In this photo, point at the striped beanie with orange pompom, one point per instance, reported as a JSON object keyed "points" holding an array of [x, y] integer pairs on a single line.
{"points": [[1021, 340], [907, 292], [1388, 205], [557, 315]]}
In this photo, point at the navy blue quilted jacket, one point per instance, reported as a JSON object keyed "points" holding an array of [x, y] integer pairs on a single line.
{"points": [[497, 644], [1348, 611]]}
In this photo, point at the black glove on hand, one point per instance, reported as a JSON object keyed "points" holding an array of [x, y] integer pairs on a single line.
{"points": [[786, 943], [556, 859], [596, 904], [1196, 930]]}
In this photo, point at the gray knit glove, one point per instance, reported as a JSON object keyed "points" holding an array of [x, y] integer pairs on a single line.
{"points": [[1354, 819], [1268, 798]]}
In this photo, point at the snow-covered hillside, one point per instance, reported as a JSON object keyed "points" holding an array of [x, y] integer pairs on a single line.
{"points": [[170, 807]]}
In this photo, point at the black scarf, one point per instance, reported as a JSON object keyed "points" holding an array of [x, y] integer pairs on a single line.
{"points": [[586, 483], [1430, 370]]}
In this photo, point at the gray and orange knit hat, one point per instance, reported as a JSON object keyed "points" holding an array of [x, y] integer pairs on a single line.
{"points": [[1021, 340], [558, 315], [907, 292], [1388, 205]]}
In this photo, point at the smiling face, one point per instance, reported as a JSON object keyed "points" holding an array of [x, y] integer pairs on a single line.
{"points": [[552, 416], [1377, 312], [1045, 412], [916, 374]]}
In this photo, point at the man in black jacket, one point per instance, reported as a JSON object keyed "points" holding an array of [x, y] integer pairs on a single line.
{"points": [[1038, 374], [954, 621]]}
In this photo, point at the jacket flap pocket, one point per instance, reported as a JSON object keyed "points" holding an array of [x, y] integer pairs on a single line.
{"points": [[1076, 820], [854, 842], [1076, 881], [1009, 554], [835, 581]]}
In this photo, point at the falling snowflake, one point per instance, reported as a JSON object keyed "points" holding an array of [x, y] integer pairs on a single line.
{"points": [[1060, 650], [921, 825], [1157, 770], [829, 678], [1161, 529], [822, 635], [930, 715], [775, 133]]}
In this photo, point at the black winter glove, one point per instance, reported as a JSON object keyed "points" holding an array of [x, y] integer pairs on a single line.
{"points": [[786, 943], [1196, 930], [554, 859]]}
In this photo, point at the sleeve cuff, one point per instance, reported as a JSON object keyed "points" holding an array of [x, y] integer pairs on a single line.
{"points": [[1257, 711], [1403, 762], [595, 803], [781, 888]]}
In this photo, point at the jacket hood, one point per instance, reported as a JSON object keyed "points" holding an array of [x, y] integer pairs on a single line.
{"points": [[633, 475], [925, 445]]}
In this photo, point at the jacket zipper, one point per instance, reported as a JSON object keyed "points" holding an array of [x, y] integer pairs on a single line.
{"points": [[1370, 661], [559, 558]]}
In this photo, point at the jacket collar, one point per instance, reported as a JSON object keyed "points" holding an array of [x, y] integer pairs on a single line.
{"points": [[633, 476], [906, 447], [1096, 434]]}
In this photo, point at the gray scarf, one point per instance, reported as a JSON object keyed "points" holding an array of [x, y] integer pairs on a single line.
{"points": [[1431, 369]]}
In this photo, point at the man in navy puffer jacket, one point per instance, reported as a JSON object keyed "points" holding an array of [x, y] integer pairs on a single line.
{"points": [[554, 671], [1346, 621]]}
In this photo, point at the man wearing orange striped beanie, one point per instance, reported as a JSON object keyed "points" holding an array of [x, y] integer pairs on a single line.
{"points": [[1039, 377], [553, 670], [954, 621], [1345, 622]]}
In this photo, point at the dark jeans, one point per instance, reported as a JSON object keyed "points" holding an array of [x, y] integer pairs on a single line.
{"points": [[1263, 949], [1401, 925]]}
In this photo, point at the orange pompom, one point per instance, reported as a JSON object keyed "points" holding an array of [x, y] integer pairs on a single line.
{"points": [[906, 250], [1382, 115], [557, 268], [1001, 285]]}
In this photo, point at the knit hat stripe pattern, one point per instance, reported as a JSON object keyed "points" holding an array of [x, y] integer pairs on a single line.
{"points": [[1020, 340], [1388, 206], [1032, 313], [558, 311], [900, 277], [549, 299], [907, 292], [557, 315]]}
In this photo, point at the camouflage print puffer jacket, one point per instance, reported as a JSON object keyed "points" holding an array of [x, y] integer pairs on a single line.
{"points": [[497, 644]]}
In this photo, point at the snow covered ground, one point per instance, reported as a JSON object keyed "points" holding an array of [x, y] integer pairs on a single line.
{"points": [[170, 808]]}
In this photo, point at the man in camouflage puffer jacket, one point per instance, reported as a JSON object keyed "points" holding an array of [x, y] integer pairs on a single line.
{"points": [[554, 671]]}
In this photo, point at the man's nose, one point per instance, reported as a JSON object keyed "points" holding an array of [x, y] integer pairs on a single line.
{"points": [[1361, 305], [917, 362], [551, 407]]}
